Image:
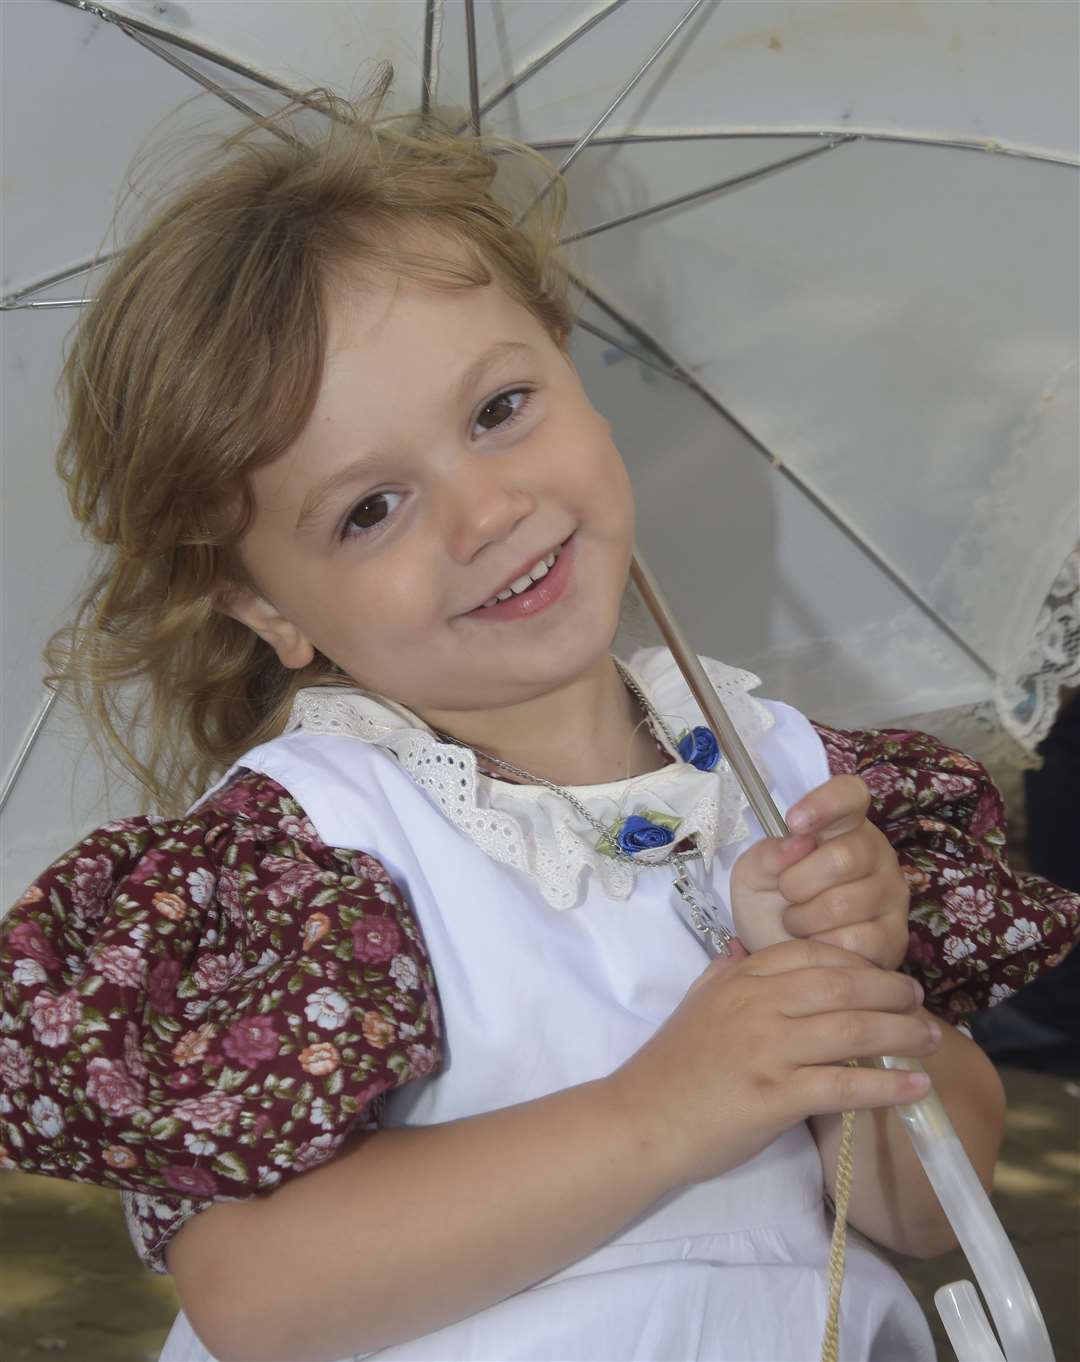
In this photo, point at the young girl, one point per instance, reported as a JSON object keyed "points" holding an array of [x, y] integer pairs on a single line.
{"points": [[367, 546]]}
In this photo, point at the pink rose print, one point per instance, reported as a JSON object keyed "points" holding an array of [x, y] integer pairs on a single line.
{"points": [[14, 1064], [376, 940], [885, 780], [92, 885], [121, 965], [986, 815], [950, 786], [250, 1040], [228, 895], [132, 1053], [367, 868], [421, 1058], [54, 1016], [216, 972], [292, 878], [195, 1182], [920, 952], [27, 939], [112, 1088], [315, 1151], [151, 864], [207, 1112], [301, 829], [969, 905], [162, 987], [378, 1030]]}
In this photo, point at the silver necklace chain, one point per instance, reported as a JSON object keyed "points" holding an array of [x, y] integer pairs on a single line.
{"points": [[703, 914]]}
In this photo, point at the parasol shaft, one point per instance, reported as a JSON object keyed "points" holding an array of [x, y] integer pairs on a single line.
{"points": [[978, 1229], [703, 691]]}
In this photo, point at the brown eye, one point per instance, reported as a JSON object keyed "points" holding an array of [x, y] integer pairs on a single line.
{"points": [[369, 513], [503, 410]]}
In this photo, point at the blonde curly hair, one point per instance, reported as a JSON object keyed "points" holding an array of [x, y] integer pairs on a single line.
{"points": [[200, 360]]}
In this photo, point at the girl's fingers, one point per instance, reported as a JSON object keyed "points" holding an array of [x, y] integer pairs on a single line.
{"points": [[786, 956], [844, 905], [845, 859], [823, 1090], [811, 992], [883, 941], [835, 1037], [835, 807]]}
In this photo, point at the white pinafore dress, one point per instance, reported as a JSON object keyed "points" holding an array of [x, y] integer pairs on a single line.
{"points": [[538, 997]]}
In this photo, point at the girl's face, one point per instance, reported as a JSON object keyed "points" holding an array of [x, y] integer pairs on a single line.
{"points": [[452, 449]]}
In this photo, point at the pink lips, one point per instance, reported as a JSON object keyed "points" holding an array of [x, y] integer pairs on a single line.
{"points": [[539, 596]]}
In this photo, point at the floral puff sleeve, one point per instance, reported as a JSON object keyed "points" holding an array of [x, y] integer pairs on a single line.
{"points": [[195, 1010], [978, 929]]}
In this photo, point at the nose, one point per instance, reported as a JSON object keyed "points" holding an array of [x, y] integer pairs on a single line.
{"points": [[482, 505]]}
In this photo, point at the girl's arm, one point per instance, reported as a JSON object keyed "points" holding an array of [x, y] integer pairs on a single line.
{"points": [[891, 1199], [407, 1230]]}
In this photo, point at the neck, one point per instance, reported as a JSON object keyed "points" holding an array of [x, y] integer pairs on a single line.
{"points": [[588, 732]]}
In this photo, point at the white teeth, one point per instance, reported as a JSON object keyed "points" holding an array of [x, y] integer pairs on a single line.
{"points": [[534, 574]]}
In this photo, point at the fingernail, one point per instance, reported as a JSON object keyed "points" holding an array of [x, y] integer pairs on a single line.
{"points": [[935, 1031], [918, 1084], [919, 992], [799, 820]]}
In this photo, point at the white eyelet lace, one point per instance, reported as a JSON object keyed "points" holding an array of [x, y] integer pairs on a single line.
{"points": [[534, 830]]}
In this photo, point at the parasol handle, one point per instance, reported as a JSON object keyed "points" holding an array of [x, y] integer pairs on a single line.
{"points": [[980, 1233]]}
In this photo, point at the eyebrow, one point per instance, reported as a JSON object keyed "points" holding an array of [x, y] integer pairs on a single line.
{"points": [[322, 491]]}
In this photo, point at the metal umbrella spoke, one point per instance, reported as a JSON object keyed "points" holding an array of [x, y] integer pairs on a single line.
{"points": [[732, 182], [797, 479], [587, 137]]}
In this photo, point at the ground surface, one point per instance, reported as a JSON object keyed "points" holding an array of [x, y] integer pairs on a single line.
{"points": [[71, 1289]]}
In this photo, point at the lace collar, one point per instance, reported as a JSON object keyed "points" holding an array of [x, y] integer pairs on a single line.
{"points": [[530, 827]]}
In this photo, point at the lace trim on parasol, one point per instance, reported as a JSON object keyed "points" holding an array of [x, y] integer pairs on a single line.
{"points": [[1027, 703], [532, 829]]}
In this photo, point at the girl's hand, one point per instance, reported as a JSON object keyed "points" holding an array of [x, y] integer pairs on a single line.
{"points": [[836, 879], [757, 1045]]}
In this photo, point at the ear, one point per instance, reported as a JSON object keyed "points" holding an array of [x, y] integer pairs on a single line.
{"points": [[293, 648]]}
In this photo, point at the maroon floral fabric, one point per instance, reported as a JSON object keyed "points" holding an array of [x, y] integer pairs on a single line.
{"points": [[195, 1010], [978, 930]]}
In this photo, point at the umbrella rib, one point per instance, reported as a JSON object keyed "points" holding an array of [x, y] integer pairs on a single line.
{"points": [[30, 737], [474, 83], [15, 300], [187, 69], [587, 137], [817, 498], [238, 68], [515, 82], [429, 57], [862, 135], [733, 182], [677, 374]]}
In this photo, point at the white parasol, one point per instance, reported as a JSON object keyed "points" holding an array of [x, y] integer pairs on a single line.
{"points": [[841, 366]]}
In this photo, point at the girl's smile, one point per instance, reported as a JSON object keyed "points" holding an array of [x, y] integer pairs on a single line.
{"points": [[451, 457]]}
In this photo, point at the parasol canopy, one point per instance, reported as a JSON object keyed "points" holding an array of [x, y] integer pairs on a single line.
{"points": [[829, 255]]}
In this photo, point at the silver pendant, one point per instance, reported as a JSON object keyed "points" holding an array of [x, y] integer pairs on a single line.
{"points": [[704, 914]]}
